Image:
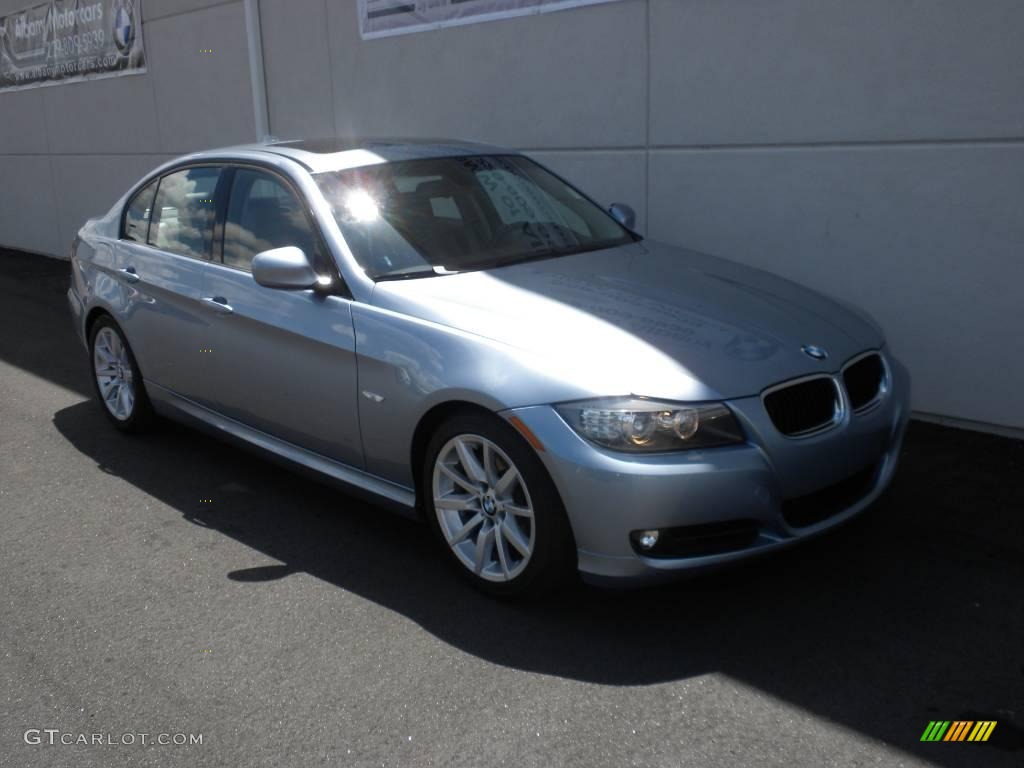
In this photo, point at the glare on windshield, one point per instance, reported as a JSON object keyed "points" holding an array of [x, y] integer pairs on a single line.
{"points": [[442, 215]]}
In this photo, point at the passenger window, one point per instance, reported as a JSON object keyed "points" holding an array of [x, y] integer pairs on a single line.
{"points": [[137, 213], [262, 214], [184, 212]]}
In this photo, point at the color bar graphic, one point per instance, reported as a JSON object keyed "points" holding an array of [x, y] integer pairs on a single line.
{"points": [[935, 730], [982, 730], [958, 730]]}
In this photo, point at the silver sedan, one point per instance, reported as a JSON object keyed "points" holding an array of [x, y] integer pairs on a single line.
{"points": [[461, 334]]}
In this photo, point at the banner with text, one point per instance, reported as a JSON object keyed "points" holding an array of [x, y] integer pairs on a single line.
{"points": [[66, 40], [378, 18]]}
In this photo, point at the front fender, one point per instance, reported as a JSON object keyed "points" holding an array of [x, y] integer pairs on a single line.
{"points": [[408, 366]]}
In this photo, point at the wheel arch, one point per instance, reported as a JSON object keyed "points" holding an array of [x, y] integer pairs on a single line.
{"points": [[94, 314], [560, 553], [425, 427], [434, 417]]}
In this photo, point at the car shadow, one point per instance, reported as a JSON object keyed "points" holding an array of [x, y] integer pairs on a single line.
{"points": [[895, 619]]}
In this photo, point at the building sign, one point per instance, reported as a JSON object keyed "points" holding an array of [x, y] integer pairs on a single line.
{"points": [[66, 40], [378, 18]]}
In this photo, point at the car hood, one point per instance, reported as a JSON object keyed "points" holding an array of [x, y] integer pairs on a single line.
{"points": [[645, 319]]}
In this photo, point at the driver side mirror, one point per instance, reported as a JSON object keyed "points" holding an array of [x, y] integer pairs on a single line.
{"points": [[624, 214], [287, 268]]}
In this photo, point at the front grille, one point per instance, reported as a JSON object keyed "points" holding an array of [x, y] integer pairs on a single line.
{"points": [[803, 407], [863, 380], [699, 540], [821, 505]]}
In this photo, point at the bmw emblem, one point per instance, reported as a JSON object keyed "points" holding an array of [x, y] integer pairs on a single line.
{"points": [[815, 352], [124, 31]]}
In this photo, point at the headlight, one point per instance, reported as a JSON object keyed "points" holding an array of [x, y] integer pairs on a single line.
{"points": [[634, 424]]}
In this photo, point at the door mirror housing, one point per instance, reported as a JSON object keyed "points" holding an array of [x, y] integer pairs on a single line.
{"points": [[624, 214], [286, 268]]}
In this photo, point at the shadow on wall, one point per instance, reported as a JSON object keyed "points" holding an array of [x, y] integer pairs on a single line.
{"points": [[908, 615]]}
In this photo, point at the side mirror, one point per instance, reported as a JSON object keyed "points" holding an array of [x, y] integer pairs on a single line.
{"points": [[286, 267], [623, 214]]}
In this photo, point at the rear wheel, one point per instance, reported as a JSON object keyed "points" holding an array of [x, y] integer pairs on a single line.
{"points": [[116, 378], [494, 508]]}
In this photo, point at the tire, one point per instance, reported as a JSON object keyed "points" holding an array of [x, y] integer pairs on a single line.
{"points": [[116, 380], [520, 553]]}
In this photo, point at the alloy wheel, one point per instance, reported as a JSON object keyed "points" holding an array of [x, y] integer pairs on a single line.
{"points": [[113, 370], [483, 508]]}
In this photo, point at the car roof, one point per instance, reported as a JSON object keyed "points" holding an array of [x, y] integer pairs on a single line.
{"points": [[319, 155]]}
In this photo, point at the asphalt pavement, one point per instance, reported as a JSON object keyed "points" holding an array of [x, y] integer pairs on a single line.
{"points": [[175, 586]]}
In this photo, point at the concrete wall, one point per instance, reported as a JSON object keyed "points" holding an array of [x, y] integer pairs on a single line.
{"points": [[874, 150]]}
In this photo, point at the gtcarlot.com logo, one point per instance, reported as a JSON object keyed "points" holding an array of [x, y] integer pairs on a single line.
{"points": [[55, 736]]}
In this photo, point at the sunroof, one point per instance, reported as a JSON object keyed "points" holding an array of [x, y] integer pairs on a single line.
{"points": [[330, 146]]}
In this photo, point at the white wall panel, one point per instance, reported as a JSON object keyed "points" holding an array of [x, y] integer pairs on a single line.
{"points": [[114, 115], [296, 54], [22, 123], [570, 79], [156, 9], [203, 99], [748, 71], [27, 209]]}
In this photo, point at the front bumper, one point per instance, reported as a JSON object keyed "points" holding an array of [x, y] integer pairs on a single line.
{"points": [[608, 494]]}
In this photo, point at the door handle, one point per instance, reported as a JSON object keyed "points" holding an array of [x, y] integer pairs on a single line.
{"points": [[219, 304], [130, 275]]}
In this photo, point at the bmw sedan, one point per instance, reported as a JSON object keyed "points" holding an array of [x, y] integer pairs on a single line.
{"points": [[456, 331]]}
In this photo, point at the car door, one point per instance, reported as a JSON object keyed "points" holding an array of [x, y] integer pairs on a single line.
{"points": [[283, 361], [166, 246]]}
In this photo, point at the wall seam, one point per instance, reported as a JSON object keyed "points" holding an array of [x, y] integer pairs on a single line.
{"points": [[647, 130], [49, 163], [257, 69], [330, 70], [151, 80]]}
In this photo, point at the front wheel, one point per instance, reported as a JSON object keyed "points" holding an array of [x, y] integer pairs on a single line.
{"points": [[494, 508]]}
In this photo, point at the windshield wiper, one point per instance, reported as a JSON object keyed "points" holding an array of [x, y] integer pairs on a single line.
{"points": [[412, 273], [552, 253]]}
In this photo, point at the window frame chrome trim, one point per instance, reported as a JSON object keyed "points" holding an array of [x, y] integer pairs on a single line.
{"points": [[884, 386], [839, 412], [159, 179]]}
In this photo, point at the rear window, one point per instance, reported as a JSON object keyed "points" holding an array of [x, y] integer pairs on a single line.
{"points": [[137, 213]]}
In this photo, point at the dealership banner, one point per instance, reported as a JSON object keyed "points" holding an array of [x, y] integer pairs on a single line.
{"points": [[378, 18], [66, 40]]}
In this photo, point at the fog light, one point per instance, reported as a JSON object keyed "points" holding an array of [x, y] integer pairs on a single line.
{"points": [[647, 539]]}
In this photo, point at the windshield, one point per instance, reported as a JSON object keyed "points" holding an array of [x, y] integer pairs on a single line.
{"points": [[427, 217]]}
